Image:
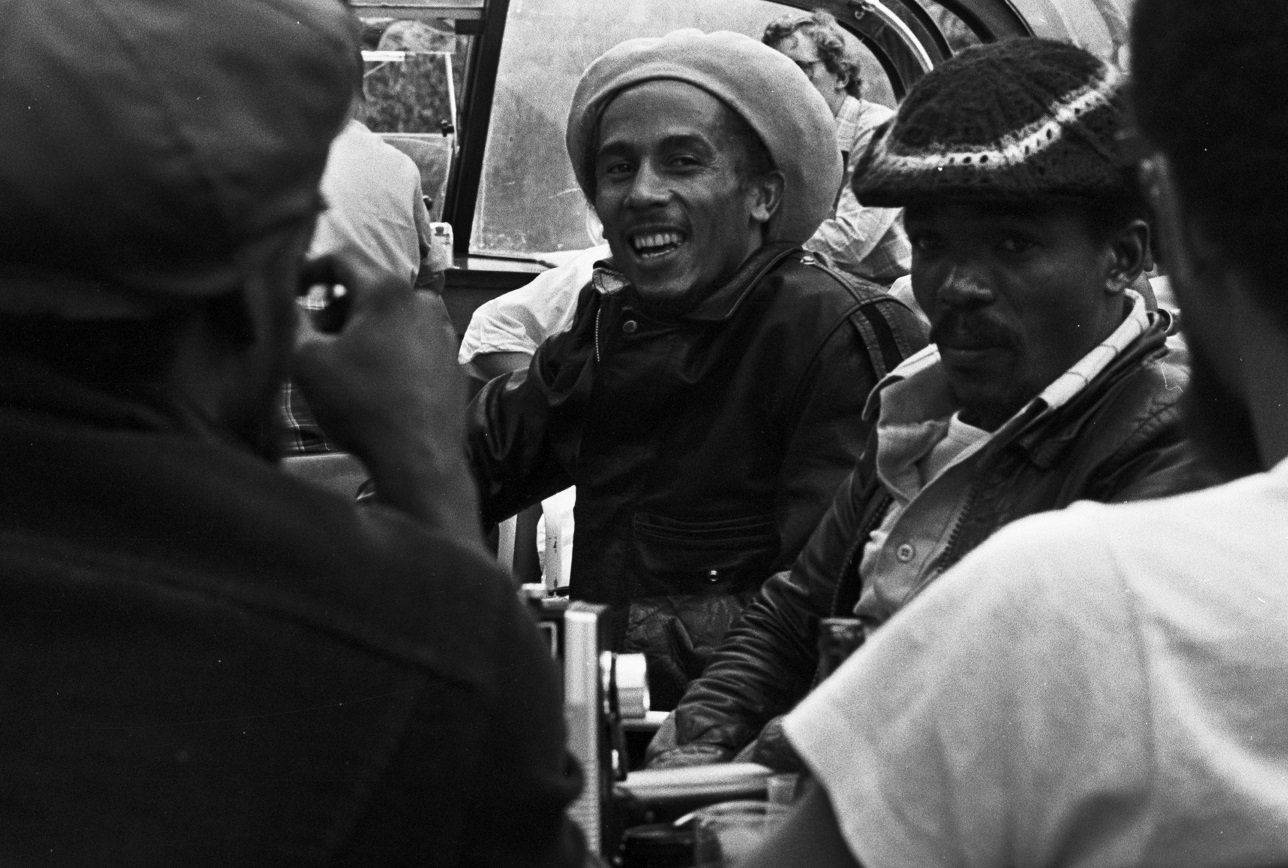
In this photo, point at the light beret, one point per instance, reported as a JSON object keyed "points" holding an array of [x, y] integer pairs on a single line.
{"points": [[757, 82], [149, 144], [1015, 120]]}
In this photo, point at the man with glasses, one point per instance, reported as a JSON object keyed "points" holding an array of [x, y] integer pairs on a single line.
{"points": [[862, 240]]}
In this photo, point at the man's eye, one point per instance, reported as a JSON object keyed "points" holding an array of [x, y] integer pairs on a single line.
{"points": [[924, 242], [683, 161], [616, 169], [1015, 244]]}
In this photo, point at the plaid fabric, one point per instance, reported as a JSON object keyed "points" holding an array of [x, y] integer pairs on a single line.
{"points": [[867, 242], [1072, 381], [301, 434]]}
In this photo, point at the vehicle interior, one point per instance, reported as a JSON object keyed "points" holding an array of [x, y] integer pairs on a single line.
{"points": [[477, 93]]}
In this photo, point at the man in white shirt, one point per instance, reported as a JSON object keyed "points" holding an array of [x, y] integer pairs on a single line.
{"points": [[1107, 685]]}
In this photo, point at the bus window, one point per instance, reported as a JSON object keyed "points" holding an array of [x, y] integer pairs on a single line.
{"points": [[1100, 26], [412, 79]]}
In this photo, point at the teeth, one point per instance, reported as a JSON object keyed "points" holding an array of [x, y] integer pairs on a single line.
{"points": [[654, 241]]}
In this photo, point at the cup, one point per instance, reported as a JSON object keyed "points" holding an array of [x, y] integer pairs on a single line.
{"points": [[725, 834]]}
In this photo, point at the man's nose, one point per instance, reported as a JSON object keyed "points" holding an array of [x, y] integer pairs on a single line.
{"points": [[964, 285], [648, 187]]}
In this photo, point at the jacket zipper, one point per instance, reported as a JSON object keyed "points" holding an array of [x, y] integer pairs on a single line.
{"points": [[598, 310], [946, 558], [852, 560]]}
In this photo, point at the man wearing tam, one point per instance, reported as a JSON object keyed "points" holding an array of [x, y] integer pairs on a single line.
{"points": [[1048, 379], [706, 400], [207, 661]]}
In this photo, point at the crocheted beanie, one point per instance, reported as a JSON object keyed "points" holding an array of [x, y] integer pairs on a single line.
{"points": [[1016, 120]]}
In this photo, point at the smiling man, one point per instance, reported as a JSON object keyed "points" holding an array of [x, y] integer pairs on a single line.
{"points": [[707, 399], [1048, 380]]}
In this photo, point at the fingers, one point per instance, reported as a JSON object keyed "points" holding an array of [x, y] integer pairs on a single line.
{"points": [[339, 295], [386, 375]]}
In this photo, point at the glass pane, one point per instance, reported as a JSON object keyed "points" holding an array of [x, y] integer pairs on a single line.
{"points": [[413, 79], [1100, 26], [958, 33], [529, 203]]}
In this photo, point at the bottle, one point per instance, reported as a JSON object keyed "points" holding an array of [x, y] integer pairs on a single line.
{"points": [[838, 638]]}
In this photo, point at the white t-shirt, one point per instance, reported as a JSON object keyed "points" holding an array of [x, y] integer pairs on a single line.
{"points": [[375, 213], [1107, 685], [519, 320]]}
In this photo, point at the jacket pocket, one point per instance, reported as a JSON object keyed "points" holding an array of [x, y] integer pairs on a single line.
{"points": [[714, 549]]}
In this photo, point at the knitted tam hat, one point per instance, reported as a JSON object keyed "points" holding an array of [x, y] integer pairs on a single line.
{"points": [[755, 81], [1016, 120]]}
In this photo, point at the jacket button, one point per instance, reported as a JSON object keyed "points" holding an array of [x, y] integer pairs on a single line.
{"points": [[630, 326], [905, 553], [713, 575]]}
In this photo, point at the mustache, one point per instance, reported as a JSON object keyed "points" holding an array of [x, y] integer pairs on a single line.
{"points": [[964, 329]]}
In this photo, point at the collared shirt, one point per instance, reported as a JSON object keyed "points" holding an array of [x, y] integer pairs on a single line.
{"points": [[868, 242], [929, 479]]}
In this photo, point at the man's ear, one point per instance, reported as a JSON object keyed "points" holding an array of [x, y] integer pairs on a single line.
{"points": [[1129, 252], [766, 195]]}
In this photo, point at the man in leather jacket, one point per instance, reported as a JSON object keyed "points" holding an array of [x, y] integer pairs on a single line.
{"points": [[1049, 380], [707, 399]]}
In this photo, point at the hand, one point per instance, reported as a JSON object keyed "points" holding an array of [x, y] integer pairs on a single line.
{"points": [[384, 383]]}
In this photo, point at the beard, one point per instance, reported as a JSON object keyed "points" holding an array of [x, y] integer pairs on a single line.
{"points": [[1218, 421]]}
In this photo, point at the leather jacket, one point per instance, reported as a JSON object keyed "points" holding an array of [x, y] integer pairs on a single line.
{"points": [[704, 447], [1118, 439]]}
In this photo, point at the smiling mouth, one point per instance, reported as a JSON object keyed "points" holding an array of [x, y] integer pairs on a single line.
{"points": [[650, 245]]}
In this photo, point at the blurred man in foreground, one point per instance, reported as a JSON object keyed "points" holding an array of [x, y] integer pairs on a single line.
{"points": [[206, 661], [1107, 685], [1049, 380]]}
